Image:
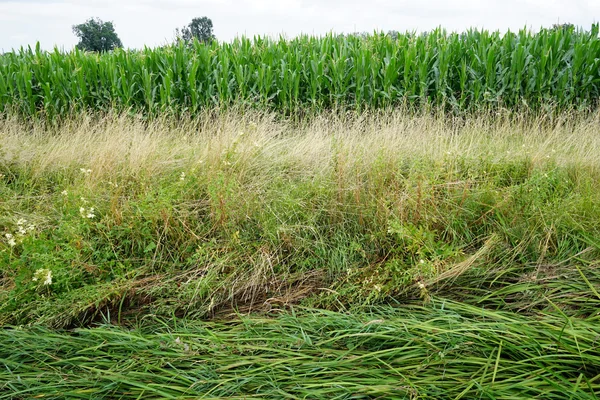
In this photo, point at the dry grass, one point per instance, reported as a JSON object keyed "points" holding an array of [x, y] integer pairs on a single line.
{"points": [[258, 142]]}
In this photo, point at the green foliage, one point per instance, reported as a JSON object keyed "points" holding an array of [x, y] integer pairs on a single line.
{"points": [[242, 227], [447, 350], [200, 29], [96, 35], [475, 70]]}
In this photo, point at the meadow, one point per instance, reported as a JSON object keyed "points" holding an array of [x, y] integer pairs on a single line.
{"points": [[436, 244]]}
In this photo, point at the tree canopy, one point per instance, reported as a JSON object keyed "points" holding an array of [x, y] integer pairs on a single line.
{"points": [[199, 28], [97, 35]]}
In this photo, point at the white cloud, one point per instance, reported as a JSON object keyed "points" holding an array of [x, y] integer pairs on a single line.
{"points": [[152, 22]]}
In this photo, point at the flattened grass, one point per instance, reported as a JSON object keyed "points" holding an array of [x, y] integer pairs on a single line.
{"points": [[446, 350]]}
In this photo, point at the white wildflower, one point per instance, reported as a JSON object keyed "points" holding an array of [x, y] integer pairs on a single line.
{"points": [[21, 229], [64, 193], [85, 171], [421, 285], [44, 275], [10, 240], [87, 212], [182, 176]]}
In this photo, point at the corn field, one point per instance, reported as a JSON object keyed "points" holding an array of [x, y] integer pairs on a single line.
{"points": [[466, 71]]}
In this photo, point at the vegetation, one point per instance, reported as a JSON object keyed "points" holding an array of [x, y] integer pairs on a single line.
{"points": [[200, 29], [445, 351], [245, 212], [407, 216], [476, 70], [482, 233], [96, 35]]}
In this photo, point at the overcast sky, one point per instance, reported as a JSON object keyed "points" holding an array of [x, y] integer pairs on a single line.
{"points": [[152, 22]]}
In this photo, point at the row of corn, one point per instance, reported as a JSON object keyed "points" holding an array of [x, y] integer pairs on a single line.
{"points": [[461, 71]]}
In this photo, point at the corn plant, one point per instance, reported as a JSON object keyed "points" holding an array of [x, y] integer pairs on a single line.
{"points": [[467, 71]]}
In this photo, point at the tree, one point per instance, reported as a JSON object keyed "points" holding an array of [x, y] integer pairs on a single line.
{"points": [[199, 28], [563, 27], [96, 35]]}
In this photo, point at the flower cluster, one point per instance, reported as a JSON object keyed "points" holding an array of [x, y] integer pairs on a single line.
{"points": [[10, 239], [43, 275], [23, 228], [87, 212]]}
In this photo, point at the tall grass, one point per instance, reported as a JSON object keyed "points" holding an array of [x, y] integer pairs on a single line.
{"points": [[248, 211], [556, 68]]}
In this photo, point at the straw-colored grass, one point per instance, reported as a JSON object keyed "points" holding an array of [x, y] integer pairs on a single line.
{"points": [[126, 145]]}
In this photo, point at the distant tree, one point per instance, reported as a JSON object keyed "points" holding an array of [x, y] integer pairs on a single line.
{"points": [[96, 35], [199, 28], [565, 27], [361, 35], [393, 34]]}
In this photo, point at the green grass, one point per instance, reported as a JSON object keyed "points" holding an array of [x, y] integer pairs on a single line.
{"points": [[447, 350], [240, 255], [553, 69], [237, 211]]}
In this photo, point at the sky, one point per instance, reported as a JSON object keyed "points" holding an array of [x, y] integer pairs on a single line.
{"points": [[151, 23]]}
